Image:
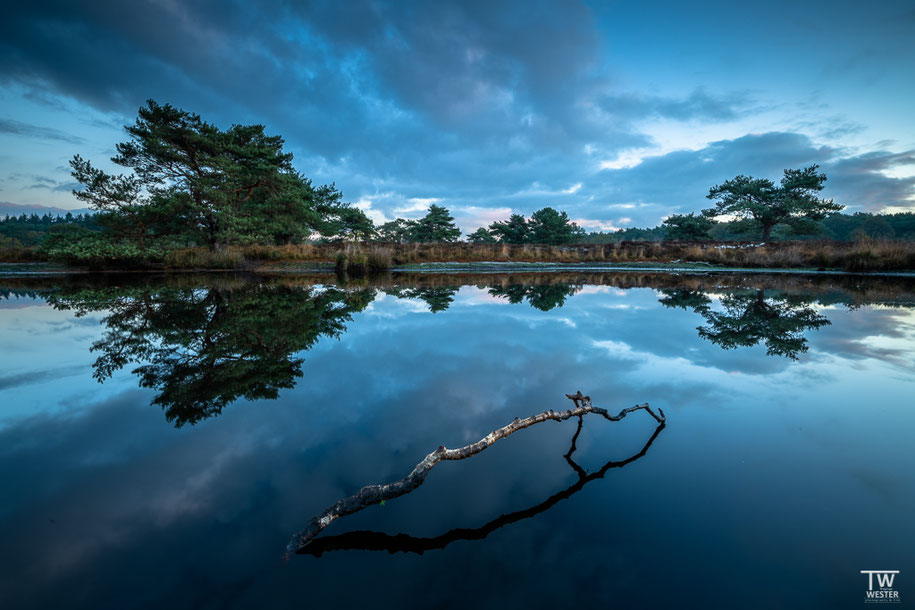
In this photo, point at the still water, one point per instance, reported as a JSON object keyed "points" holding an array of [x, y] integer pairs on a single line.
{"points": [[161, 439]]}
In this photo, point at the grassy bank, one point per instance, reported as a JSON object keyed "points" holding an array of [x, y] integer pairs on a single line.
{"points": [[864, 255], [845, 289]]}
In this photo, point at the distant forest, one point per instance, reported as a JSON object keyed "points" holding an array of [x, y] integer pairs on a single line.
{"points": [[31, 229], [838, 227]]}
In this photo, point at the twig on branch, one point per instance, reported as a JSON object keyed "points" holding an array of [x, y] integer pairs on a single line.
{"points": [[375, 494], [379, 541]]}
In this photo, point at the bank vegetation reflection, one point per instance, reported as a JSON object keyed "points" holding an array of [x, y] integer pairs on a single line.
{"points": [[202, 342], [201, 349]]}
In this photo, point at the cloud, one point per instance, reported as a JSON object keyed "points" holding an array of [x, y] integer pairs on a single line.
{"points": [[377, 216], [472, 217], [700, 104], [592, 224], [474, 104], [18, 128], [38, 377], [43, 182], [679, 181], [416, 205], [572, 189], [863, 182], [453, 100]]}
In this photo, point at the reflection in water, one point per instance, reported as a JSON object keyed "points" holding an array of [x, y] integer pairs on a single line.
{"points": [[543, 296], [202, 343], [393, 543], [438, 298], [685, 298], [103, 508], [751, 317], [378, 494], [203, 348]]}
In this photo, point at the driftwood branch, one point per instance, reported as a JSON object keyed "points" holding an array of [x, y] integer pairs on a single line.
{"points": [[375, 494], [404, 543]]}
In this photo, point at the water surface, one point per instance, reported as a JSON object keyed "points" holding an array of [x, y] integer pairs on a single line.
{"points": [[162, 438]]}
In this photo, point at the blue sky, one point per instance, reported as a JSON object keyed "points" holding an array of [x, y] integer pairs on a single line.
{"points": [[619, 113]]}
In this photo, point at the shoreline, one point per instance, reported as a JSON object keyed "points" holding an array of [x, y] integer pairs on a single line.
{"points": [[888, 256], [451, 268]]}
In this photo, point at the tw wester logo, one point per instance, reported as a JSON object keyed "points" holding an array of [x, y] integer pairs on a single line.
{"points": [[884, 593]]}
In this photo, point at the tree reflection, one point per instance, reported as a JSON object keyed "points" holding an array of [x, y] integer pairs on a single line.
{"points": [[540, 296], [204, 348], [685, 298], [203, 344], [438, 298], [393, 543], [749, 318]]}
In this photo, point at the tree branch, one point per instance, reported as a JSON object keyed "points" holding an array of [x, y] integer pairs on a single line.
{"points": [[378, 541], [375, 494]]}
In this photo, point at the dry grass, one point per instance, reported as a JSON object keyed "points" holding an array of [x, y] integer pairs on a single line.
{"points": [[862, 255], [204, 258], [360, 261]]}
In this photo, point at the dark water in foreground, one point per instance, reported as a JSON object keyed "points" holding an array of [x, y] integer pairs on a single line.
{"points": [[234, 409]]}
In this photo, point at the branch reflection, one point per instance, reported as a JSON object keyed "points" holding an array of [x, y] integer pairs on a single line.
{"points": [[404, 543]]}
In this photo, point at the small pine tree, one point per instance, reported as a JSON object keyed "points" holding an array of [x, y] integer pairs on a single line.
{"points": [[436, 225]]}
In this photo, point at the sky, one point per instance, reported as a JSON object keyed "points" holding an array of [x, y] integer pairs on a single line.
{"points": [[619, 113]]}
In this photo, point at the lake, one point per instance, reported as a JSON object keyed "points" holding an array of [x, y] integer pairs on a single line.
{"points": [[163, 438]]}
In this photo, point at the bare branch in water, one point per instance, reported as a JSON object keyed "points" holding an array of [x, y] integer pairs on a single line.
{"points": [[375, 494], [404, 543]]}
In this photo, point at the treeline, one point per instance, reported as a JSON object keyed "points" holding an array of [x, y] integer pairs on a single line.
{"points": [[32, 229], [436, 226], [837, 227], [546, 226]]}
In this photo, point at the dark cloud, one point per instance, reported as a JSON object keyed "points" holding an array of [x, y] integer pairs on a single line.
{"points": [[314, 58], [680, 180], [476, 102], [700, 104], [412, 97], [43, 182], [18, 128], [863, 185], [37, 377]]}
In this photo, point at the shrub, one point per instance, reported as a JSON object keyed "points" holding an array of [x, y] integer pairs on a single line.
{"points": [[204, 258], [258, 252], [379, 259], [95, 251], [355, 261], [352, 261], [341, 263]]}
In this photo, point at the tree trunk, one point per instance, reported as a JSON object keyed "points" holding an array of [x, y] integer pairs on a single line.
{"points": [[767, 232]]}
